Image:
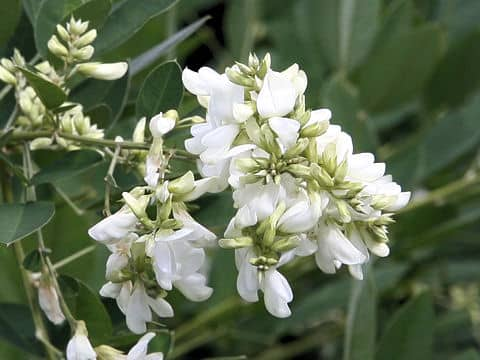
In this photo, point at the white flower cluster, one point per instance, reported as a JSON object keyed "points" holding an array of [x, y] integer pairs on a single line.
{"points": [[298, 186], [73, 47], [150, 256]]}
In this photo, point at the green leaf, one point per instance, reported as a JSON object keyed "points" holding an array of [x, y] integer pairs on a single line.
{"points": [[53, 12], [457, 75], [146, 59], [114, 94], [100, 115], [459, 17], [72, 164], [361, 321], [341, 97], [20, 220], [162, 90], [33, 261], [11, 11], [470, 354], [126, 19], [396, 72], [453, 136], [409, 334], [86, 305], [17, 328], [31, 8], [241, 27], [50, 94]]}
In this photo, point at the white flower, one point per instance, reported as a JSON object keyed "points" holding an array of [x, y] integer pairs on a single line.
{"points": [[79, 347], [221, 93], [286, 130], [277, 96], [177, 263], [49, 303], [334, 248], [277, 291], [139, 351], [161, 124], [103, 71], [114, 227], [138, 308]]}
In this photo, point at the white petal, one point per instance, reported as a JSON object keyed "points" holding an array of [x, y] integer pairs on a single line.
{"points": [[247, 281], [138, 312], [277, 294], [139, 351], [161, 125], [193, 287], [193, 83], [161, 307], [277, 96], [356, 271], [286, 130]]}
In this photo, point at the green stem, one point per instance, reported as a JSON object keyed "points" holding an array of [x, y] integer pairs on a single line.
{"points": [[192, 343], [32, 196], [40, 330], [110, 178], [201, 320], [31, 135], [74, 256], [443, 192]]}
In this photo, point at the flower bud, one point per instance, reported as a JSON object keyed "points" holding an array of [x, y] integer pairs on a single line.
{"points": [[236, 243], [182, 185], [139, 131], [285, 244], [105, 352], [79, 346], [85, 39], [315, 129], [41, 143], [161, 123], [299, 170], [7, 77], [96, 70], [239, 79], [137, 205], [8, 64], [83, 54], [77, 27], [63, 33], [18, 59], [247, 165], [253, 61], [56, 47]]}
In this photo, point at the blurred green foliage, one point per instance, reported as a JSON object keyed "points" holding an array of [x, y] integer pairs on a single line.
{"points": [[402, 76]]}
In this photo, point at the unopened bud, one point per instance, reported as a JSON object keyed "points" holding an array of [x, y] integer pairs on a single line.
{"points": [[314, 130], [83, 54], [238, 78], [299, 170], [285, 244], [96, 70], [137, 205], [297, 149], [56, 47], [182, 185], [253, 61], [139, 131], [86, 39], [77, 27], [236, 243], [105, 352], [7, 77], [41, 143]]}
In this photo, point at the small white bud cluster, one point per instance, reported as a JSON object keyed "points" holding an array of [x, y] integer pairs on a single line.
{"points": [[151, 254], [298, 186], [72, 44]]}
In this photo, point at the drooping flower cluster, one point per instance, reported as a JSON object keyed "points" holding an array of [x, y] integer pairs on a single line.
{"points": [[152, 254], [73, 47], [297, 184]]}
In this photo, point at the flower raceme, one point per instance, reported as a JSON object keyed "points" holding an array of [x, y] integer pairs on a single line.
{"points": [[150, 257], [298, 187]]}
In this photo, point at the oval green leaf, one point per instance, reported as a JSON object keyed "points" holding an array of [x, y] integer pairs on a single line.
{"points": [[53, 12], [72, 164], [127, 18], [20, 220], [50, 94], [162, 90]]}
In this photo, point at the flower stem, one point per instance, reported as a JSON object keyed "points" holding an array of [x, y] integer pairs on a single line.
{"points": [[32, 196], [74, 256], [30, 135], [109, 178], [443, 192], [40, 330], [204, 318]]}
